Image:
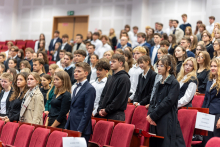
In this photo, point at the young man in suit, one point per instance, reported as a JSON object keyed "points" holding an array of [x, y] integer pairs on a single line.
{"points": [[65, 46], [54, 41], [82, 103], [185, 42], [124, 34], [115, 94], [13, 51], [185, 23], [68, 59], [79, 45], [141, 39], [177, 31], [154, 49], [159, 28]]}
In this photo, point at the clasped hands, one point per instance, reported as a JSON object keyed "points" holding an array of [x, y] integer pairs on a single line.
{"points": [[102, 113]]}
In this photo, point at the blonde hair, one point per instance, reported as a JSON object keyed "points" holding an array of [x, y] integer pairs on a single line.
{"points": [[113, 34], [27, 70], [213, 31], [191, 75], [111, 51], [65, 78], [36, 76], [140, 49], [7, 76], [163, 50], [211, 76], [190, 30], [54, 66], [201, 43]]}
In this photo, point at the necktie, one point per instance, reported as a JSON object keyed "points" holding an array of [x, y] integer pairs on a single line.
{"points": [[174, 31], [88, 60], [74, 91]]}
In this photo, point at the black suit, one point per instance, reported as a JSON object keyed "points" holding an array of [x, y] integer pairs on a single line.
{"points": [[67, 48], [7, 100], [18, 63], [52, 46], [144, 88]]}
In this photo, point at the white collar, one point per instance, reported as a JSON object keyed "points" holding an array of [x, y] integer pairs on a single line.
{"points": [[185, 22], [64, 43], [145, 74], [102, 81], [83, 82]]}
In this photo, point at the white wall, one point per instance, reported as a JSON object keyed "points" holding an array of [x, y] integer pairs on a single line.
{"points": [[26, 19]]}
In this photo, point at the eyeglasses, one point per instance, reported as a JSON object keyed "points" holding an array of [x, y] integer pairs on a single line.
{"points": [[205, 36]]}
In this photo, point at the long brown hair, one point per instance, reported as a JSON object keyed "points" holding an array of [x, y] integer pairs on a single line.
{"points": [[16, 89], [197, 28], [173, 42], [211, 76], [41, 49], [193, 44], [44, 56], [206, 63], [149, 37], [65, 78], [145, 58], [184, 56], [130, 58]]}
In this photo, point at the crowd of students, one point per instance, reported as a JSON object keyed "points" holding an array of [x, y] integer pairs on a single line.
{"points": [[100, 75]]}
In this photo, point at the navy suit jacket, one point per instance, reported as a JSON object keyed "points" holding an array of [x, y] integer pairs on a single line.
{"points": [[151, 52], [146, 44], [119, 45], [190, 54], [52, 46], [81, 110], [212, 99]]}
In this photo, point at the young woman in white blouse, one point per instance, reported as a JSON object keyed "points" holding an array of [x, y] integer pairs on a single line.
{"points": [[94, 60], [188, 82]]}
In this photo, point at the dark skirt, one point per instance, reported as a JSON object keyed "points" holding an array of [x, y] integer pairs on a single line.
{"points": [[61, 125]]}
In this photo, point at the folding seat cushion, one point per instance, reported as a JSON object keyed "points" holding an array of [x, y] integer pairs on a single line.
{"points": [[213, 142], [122, 135], [187, 120], [129, 113], [102, 132], [55, 139], [23, 136], [198, 101], [1, 125], [39, 137], [8, 133], [93, 123]]}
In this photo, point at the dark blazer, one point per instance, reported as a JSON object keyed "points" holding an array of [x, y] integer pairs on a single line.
{"points": [[190, 54], [143, 93], [145, 44], [18, 63], [203, 79], [212, 99], [7, 100], [67, 47], [52, 46], [81, 110], [151, 52], [119, 45]]}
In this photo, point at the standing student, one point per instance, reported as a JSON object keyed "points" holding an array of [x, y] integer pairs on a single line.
{"points": [[82, 102], [89, 36], [6, 82], [115, 94], [170, 28], [9, 45], [153, 50], [212, 96], [202, 28], [32, 106], [60, 104], [188, 82], [135, 71], [55, 52], [198, 23], [45, 81], [95, 41], [185, 42], [173, 45], [145, 82], [64, 46], [94, 61], [91, 50], [105, 46], [19, 90], [38, 66], [161, 51], [150, 36], [112, 38], [141, 39], [41, 46], [2, 57], [127, 29], [79, 45], [54, 41], [68, 59], [159, 28], [206, 37], [14, 52], [13, 72], [43, 56], [211, 26], [177, 31], [203, 64], [37, 43], [188, 31], [129, 58], [29, 56], [162, 112], [99, 84], [185, 23], [180, 55]]}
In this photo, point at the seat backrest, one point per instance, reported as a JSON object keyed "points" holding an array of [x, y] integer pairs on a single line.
{"points": [[55, 139], [23, 136], [198, 101], [213, 142], [139, 118], [102, 132], [1, 125], [8, 133], [187, 120], [39, 137], [129, 113], [30, 44], [93, 123], [122, 134], [21, 42]]}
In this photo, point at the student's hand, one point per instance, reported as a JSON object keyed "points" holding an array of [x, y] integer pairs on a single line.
{"points": [[103, 113], [218, 124], [151, 121], [136, 104], [7, 120], [46, 112], [129, 100], [147, 106], [51, 52], [197, 93]]}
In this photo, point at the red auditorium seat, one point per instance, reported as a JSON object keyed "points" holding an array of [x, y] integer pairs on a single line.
{"points": [[1, 125], [55, 139], [122, 134], [23, 136], [9, 41], [29, 40], [102, 133], [21, 43], [30, 44], [198, 101], [213, 142], [52, 62], [2, 43], [39, 137], [93, 123], [129, 113], [187, 120], [8, 133], [4, 48]]}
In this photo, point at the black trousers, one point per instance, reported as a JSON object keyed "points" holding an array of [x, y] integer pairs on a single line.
{"points": [[61, 125]]}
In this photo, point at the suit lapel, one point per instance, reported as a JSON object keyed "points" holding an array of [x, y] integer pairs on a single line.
{"points": [[147, 79], [80, 91]]}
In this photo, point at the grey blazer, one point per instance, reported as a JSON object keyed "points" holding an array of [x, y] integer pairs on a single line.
{"points": [[81, 47]]}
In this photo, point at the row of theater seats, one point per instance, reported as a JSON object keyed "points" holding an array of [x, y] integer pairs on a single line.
{"points": [[21, 44]]}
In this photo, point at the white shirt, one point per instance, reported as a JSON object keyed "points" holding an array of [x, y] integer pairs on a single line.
{"points": [[213, 82], [97, 44], [189, 94], [210, 28], [54, 40], [134, 73], [169, 30], [74, 86], [59, 64], [156, 47], [63, 45], [99, 86], [93, 74], [130, 34], [6, 52], [123, 48], [3, 102], [134, 40], [100, 52], [36, 46]]}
